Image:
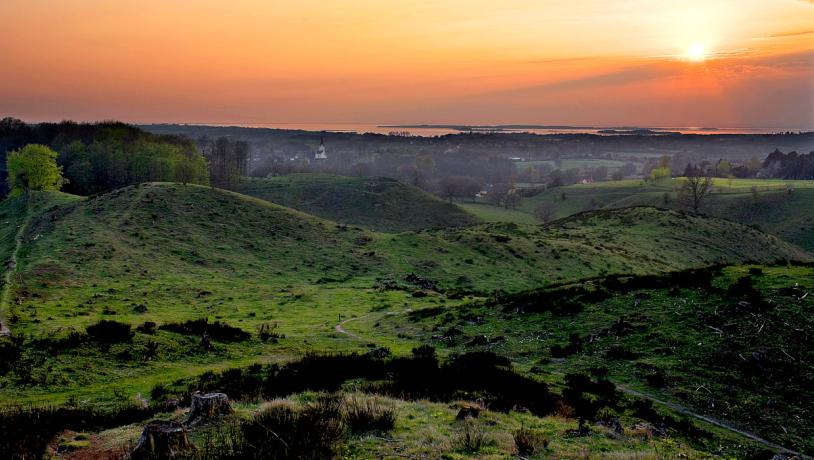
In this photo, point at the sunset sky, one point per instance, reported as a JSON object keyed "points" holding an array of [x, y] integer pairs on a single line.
{"points": [[739, 63]]}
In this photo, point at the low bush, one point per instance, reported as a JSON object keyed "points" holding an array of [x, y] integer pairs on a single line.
{"points": [[363, 414], [219, 331], [282, 430], [106, 331], [471, 437], [529, 442]]}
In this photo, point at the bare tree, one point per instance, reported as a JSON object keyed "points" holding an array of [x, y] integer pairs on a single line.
{"points": [[697, 187], [545, 212]]}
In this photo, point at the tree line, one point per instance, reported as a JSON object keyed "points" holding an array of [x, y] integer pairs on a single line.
{"points": [[89, 158], [790, 165]]}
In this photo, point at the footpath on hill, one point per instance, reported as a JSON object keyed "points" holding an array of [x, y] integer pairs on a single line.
{"points": [[11, 268]]}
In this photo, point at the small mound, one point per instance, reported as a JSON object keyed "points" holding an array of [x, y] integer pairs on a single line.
{"points": [[376, 203]]}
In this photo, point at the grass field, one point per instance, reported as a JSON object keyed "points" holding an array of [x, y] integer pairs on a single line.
{"points": [[375, 203], [569, 163], [489, 213]]}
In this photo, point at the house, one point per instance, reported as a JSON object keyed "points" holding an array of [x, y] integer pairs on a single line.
{"points": [[320, 154]]}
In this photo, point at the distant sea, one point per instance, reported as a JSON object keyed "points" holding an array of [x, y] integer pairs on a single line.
{"points": [[440, 130]]}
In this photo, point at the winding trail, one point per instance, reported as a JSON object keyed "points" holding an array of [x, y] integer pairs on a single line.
{"points": [[676, 407], [11, 268], [341, 329], [713, 421]]}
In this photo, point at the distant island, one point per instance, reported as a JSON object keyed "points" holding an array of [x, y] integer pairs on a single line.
{"points": [[625, 130], [487, 127], [639, 132]]}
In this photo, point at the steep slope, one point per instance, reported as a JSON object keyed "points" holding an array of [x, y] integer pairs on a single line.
{"points": [[376, 203]]}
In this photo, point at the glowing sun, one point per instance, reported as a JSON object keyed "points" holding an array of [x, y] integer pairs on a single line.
{"points": [[696, 52]]}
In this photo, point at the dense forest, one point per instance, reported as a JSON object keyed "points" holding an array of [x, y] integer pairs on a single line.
{"points": [[96, 157], [788, 166]]}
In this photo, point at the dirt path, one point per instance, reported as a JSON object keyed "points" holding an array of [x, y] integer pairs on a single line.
{"points": [[11, 268], [341, 329], [676, 407], [713, 421]]}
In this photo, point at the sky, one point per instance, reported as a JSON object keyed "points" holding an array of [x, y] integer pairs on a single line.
{"points": [[714, 63]]}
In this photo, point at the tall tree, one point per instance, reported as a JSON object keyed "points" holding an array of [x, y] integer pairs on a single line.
{"points": [[696, 188], [33, 167]]}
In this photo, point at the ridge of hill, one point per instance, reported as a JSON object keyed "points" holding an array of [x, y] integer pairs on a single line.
{"points": [[782, 208], [376, 203], [169, 243]]}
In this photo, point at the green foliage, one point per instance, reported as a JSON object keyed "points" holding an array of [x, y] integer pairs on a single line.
{"points": [[33, 167], [110, 162], [659, 173]]}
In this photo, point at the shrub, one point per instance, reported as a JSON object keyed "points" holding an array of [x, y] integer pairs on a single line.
{"points": [[147, 328], [620, 352], [219, 331], [529, 442], [471, 436], [268, 332], [364, 414], [282, 430], [11, 347], [106, 331]]}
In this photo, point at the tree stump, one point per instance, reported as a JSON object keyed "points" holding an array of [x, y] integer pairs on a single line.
{"points": [[161, 440], [207, 406]]}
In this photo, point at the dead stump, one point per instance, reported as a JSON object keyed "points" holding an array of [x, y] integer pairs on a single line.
{"points": [[161, 440], [206, 406]]}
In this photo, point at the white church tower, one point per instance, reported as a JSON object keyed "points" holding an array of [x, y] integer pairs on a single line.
{"points": [[320, 153]]}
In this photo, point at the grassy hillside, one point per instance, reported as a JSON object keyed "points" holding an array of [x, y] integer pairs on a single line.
{"points": [[170, 253], [489, 213], [375, 203], [766, 204], [736, 349], [270, 284]]}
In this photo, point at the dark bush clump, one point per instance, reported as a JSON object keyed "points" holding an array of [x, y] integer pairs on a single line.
{"points": [[219, 331], [529, 442], [284, 431], [363, 414], [620, 352], [147, 328], [563, 351], [11, 347], [106, 331]]}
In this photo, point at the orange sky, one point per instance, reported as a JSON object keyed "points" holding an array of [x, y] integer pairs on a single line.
{"points": [[596, 62]]}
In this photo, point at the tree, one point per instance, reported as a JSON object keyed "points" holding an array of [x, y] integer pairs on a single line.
{"points": [[545, 212], [600, 173], [33, 167], [697, 187], [659, 173], [460, 187]]}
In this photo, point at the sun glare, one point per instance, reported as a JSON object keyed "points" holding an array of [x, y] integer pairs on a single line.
{"points": [[696, 52]]}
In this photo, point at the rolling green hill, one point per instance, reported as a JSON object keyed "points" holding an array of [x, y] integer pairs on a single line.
{"points": [[765, 203], [168, 243], [375, 203], [273, 283]]}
